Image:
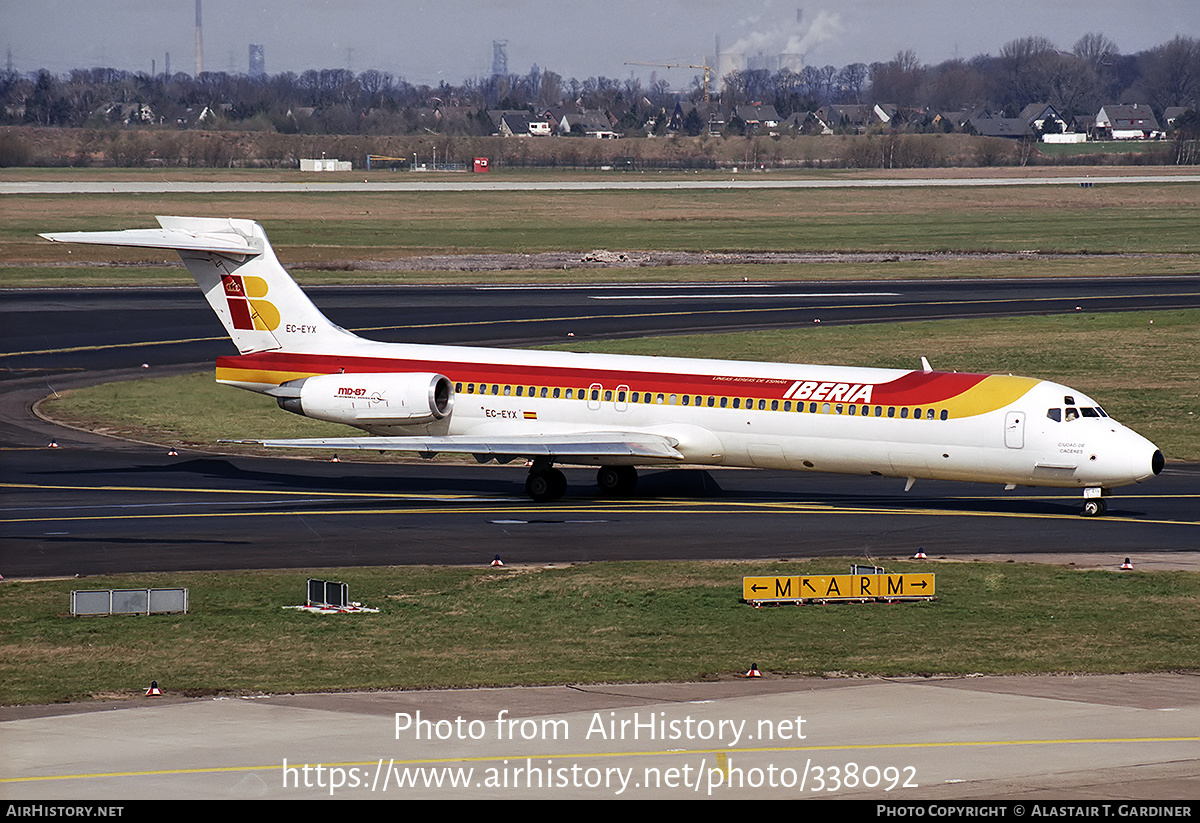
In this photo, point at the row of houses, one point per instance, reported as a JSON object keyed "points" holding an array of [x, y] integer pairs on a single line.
{"points": [[1135, 121]]}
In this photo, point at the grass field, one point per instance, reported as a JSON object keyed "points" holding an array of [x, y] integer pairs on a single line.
{"points": [[1134, 228], [606, 622]]}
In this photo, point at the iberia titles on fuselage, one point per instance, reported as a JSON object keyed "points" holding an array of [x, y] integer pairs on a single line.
{"points": [[619, 411]]}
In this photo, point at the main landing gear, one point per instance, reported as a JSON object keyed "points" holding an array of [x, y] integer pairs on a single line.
{"points": [[616, 481], [546, 484]]}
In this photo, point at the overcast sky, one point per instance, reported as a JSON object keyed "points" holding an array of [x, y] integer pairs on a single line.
{"points": [[427, 42]]}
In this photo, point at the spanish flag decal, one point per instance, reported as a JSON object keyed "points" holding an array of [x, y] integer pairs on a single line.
{"points": [[531, 415]]}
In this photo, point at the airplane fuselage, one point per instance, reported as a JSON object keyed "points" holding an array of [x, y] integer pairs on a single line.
{"points": [[889, 422]]}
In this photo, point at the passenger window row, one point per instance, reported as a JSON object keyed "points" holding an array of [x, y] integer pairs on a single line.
{"points": [[710, 401]]}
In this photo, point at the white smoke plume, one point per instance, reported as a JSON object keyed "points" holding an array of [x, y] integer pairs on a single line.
{"points": [[782, 45]]}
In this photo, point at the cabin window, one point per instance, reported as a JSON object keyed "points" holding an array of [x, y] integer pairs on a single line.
{"points": [[891, 411], [929, 414], [774, 405], [659, 399], [470, 388], [812, 408], [916, 414], [838, 408], [724, 402], [545, 391], [904, 413], [458, 387], [495, 388], [851, 410], [787, 405], [520, 391], [945, 414], [620, 397], [712, 401], [674, 399], [737, 402], [607, 395], [557, 393], [570, 394], [824, 408], [507, 391]]}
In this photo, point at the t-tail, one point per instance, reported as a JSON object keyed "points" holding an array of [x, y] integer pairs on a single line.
{"points": [[258, 302]]}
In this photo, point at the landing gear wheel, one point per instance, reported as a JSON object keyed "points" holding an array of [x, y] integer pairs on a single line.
{"points": [[546, 486], [1094, 508], [616, 481]]}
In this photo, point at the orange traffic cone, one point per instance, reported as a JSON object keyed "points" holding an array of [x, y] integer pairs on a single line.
{"points": [[335, 459]]}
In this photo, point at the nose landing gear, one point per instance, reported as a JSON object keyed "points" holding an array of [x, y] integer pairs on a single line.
{"points": [[1094, 504]]}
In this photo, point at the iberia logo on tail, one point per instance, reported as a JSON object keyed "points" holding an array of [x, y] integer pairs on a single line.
{"points": [[246, 306]]}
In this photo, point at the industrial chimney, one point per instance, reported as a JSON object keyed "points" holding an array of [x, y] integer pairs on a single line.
{"points": [[199, 42]]}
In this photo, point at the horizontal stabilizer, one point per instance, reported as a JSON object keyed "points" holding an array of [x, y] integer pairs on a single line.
{"points": [[581, 445], [221, 242]]}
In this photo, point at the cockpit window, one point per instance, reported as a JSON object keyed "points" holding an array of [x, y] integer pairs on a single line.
{"points": [[1072, 414], [1054, 414], [1068, 400], [1088, 411]]}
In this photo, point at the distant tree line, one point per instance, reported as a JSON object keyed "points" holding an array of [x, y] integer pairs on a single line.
{"points": [[337, 101]]}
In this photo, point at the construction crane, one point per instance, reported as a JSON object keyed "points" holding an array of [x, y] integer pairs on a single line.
{"points": [[708, 71]]}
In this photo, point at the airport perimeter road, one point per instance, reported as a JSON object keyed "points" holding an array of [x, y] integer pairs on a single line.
{"points": [[1102, 739], [608, 183]]}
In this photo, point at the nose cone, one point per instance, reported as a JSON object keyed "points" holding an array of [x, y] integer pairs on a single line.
{"points": [[1157, 461], [1145, 459]]}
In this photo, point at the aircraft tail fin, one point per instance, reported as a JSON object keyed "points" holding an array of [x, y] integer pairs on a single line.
{"points": [[257, 301]]}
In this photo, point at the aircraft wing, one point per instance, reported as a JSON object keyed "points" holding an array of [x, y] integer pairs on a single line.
{"points": [[578, 445]]}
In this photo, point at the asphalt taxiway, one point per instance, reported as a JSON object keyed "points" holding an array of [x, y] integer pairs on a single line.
{"points": [[99, 505], [1119, 739]]}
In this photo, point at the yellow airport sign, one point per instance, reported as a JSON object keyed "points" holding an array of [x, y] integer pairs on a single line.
{"points": [[834, 587]]}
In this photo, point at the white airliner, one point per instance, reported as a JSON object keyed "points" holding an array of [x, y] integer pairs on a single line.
{"points": [[618, 412]]}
